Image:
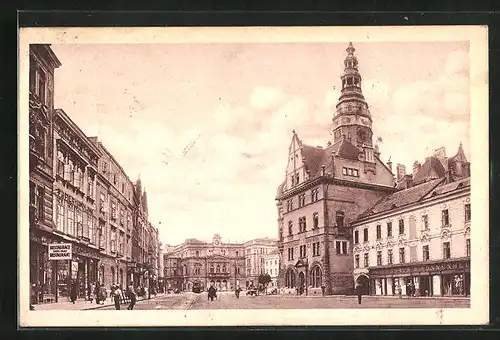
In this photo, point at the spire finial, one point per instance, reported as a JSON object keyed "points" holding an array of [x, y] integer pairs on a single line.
{"points": [[350, 49]]}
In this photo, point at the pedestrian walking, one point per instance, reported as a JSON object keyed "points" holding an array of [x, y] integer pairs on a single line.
{"points": [[116, 293], [73, 294], [323, 290], [400, 291], [131, 295], [359, 293], [91, 292], [97, 292]]}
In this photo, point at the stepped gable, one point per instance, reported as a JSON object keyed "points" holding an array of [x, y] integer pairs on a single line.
{"points": [[403, 197]]}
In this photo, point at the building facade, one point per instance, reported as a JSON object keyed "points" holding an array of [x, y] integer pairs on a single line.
{"points": [[325, 190], [272, 266], [418, 237], [43, 62], [199, 263], [79, 194], [255, 257]]}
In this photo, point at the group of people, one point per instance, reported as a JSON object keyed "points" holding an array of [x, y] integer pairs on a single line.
{"points": [[118, 295]]}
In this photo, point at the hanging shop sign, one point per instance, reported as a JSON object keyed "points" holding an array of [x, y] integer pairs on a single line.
{"points": [[60, 251]]}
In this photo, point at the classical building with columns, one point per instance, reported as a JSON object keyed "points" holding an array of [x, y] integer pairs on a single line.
{"points": [[325, 189], [417, 240]]}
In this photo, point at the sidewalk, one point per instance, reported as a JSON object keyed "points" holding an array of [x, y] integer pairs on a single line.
{"points": [[83, 304]]}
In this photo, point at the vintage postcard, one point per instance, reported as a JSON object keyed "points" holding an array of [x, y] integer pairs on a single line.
{"points": [[253, 176]]}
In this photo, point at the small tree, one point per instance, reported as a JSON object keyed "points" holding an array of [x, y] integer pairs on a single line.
{"points": [[264, 280]]}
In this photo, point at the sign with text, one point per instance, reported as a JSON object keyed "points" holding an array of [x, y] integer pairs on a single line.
{"points": [[60, 251]]}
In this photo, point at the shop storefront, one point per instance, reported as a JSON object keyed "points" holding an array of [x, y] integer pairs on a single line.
{"points": [[438, 278], [42, 271]]}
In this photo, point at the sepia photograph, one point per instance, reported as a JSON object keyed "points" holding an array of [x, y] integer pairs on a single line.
{"points": [[253, 176]]}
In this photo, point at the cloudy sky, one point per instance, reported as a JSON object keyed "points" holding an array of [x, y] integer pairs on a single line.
{"points": [[207, 126]]}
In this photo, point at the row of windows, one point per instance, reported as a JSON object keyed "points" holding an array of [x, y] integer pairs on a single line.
{"points": [[303, 224], [446, 251], [445, 221], [302, 199], [350, 172]]}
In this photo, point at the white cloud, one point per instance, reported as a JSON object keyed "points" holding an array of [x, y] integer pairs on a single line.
{"points": [[263, 97]]}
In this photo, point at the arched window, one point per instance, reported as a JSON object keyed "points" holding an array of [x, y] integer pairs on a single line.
{"points": [[290, 278], [218, 268], [316, 277], [212, 268], [197, 253], [224, 269]]}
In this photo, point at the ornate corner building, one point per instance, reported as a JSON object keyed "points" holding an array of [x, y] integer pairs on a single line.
{"points": [[80, 194], [325, 190]]}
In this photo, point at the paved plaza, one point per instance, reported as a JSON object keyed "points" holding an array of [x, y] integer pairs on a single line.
{"points": [[227, 300]]}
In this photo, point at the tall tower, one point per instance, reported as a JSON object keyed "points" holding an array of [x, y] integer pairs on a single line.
{"points": [[352, 120]]}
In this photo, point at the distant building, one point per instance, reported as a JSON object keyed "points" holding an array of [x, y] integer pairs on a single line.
{"points": [[272, 266], [255, 256], [419, 236], [199, 263]]}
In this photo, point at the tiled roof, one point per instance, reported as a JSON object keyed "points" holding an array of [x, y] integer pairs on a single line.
{"points": [[403, 198], [425, 171], [313, 157], [443, 189]]}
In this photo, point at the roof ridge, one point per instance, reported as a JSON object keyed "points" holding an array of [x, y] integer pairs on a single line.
{"points": [[438, 182]]}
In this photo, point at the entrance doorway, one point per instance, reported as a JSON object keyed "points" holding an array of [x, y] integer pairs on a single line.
{"points": [[425, 286], [364, 283], [81, 280]]}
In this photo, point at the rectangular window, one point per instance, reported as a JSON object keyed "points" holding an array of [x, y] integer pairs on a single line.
{"points": [[401, 227], [113, 210], [71, 221], [337, 247], [41, 83], [356, 261], [302, 250], [339, 219], [314, 195], [425, 222], [467, 213], [356, 236], [315, 221], [344, 171], [79, 223], [344, 247], [366, 260], [425, 253], [379, 258], [389, 229], [90, 186], [446, 250], [60, 217], [302, 200], [90, 221], [389, 256], [365, 235], [379, 232], [445, 218], [297, 179], [316, 249], [402, 255], [290, 228], [290, 253], [467, 247]]}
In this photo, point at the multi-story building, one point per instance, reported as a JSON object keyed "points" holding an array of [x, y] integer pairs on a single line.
{"points": [[255, 254], [199, 263], [325, 189], [420, 235], [74, 203], [272, 266], [42, 63], [80, 194]]}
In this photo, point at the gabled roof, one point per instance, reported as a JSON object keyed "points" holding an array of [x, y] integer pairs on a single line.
{"points": [[403, 198], [431, 169]]}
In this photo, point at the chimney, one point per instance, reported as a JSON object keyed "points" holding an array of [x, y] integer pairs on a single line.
{"points": [[416, 167], [400, 172]]}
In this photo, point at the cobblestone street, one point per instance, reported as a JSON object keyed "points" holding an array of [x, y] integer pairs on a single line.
{"points": [[227, 300]]}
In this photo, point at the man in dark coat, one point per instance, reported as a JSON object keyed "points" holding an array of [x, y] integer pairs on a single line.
{"points": [[73, 293], [131, 295], [359, 293]]}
